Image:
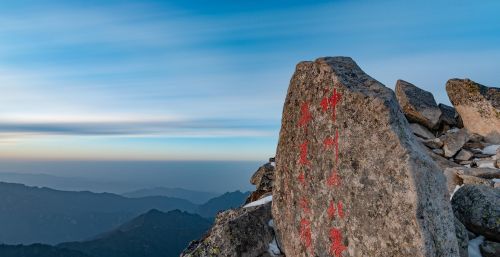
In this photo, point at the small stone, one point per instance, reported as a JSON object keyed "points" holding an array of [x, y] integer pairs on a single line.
{"points": [[417, 104], [438, 151], [477, 146], [475, 138], [434, 143], [465, 162], [490, 249], [453, 141], [421, 131], [463, 155], [462, 238], [478, 172], [478, 208]]}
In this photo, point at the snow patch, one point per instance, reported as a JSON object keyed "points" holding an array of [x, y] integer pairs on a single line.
{"points": [[455, 190], [496, 180], [490, 165], [271, 223], [260, 201], [273, 164], [473, 247], [273, 249], [490, 150]]}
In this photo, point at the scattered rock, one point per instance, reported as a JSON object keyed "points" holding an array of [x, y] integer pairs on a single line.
{"points": [[452, 179], [462, 238], [453, 141], [237, 232], [478, 208], [490, 249], [333, 192], [448, 115], [434, 143], [478, 106], [486, 173], [464, 155], [417, 104], [421, 131]]}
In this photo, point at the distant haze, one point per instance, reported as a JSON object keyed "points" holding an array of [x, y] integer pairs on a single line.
{"points": [[125, 176]]}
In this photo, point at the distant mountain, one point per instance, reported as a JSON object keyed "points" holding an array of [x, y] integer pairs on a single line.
{"points": [[42, 215], [226, 201], [154, 234], [197, 197], [38, 250]]}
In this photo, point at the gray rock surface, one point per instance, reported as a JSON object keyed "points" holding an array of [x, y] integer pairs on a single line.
{"points": [[434, 143], [490, 249], [464, 155], [462, 238], [417, 104], [241, 232], [453, 141], [478, 208], [478, 106], [351, 179], [449, 115], [421, 131]]}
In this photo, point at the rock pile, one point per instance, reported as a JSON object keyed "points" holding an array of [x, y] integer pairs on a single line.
{"points": [[465, 144]]}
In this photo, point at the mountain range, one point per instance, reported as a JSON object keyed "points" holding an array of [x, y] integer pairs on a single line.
{"points": [[152, 234], [42, 215]]}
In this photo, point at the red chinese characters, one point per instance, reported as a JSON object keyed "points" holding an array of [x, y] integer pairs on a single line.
{"points": [[333, 179], [336, 247], [305, 232], [303, 154], [331, 103], [332, 142], [305, 115], [336, 208]]}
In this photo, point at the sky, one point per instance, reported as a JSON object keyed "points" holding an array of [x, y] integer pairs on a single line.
{"points": [[206, 80]]}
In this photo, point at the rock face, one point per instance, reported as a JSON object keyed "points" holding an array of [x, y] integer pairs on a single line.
{"points": [[478, 106], [462, 238], [478, 208], [351, 179], [240, 232], [418, 105]]}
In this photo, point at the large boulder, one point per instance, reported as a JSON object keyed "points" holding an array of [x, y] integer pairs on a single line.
{"points": [[417, 104], [478, 106], [237, 232], [449, 116], [478, 208], [351, 178]]}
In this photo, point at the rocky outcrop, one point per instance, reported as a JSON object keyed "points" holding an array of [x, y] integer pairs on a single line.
{"points": [[351, 178], [241, 232], [263, 179], [417, 104], [478, 106], [478, 208]]}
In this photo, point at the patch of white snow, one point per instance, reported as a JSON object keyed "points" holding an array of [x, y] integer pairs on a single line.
{"points": [[273, 249], [260, 201], [271, 223], [473, 247], [490, 150], [455, 190], [273, 164]]}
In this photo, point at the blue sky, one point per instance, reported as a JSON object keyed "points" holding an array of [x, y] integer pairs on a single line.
{"points": [[206, 80]]}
